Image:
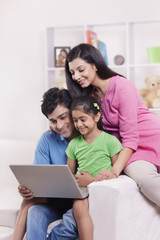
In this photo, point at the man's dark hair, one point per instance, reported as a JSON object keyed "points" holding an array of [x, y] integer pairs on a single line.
{"points": [[53, 97]]}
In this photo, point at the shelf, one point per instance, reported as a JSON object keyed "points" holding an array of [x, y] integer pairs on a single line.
{"points": [[55, 68], [154, 109], [145, 65], [127, 38]]}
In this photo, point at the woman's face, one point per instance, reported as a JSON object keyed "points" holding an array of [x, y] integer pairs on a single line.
{"points": [[82, 72]]}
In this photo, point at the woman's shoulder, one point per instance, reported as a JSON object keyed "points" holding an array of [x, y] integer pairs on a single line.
{"points": [[120, 84], [121, 81]]}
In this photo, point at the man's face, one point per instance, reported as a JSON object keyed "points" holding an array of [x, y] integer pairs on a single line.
{"points": [[61, 121]]}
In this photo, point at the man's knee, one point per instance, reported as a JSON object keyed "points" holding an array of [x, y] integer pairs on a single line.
{"points": [[33, 213]]}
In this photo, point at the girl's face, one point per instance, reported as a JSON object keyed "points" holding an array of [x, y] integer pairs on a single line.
{"points": [[84, 123], [82, 72]]}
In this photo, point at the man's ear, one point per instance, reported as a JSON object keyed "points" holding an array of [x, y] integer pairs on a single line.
{"points": [[97, 117]]}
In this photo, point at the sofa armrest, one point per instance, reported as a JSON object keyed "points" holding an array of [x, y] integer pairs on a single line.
{"points": [[119, 211]]}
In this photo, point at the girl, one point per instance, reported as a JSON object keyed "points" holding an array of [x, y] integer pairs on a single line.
{"points": [[93, 150], [123, 115]]}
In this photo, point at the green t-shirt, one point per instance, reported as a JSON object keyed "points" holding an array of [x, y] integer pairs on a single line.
{"points": [[95, 156]]}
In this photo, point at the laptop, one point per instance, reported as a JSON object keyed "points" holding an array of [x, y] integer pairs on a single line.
{"points": [[50, 181]]}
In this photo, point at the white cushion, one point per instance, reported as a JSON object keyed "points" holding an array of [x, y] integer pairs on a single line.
{"points": [[10, 202], [120, 212], [5, 233], [12, 151]]}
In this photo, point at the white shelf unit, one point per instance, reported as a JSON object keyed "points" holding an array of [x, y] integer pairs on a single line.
{"points": [[129, 39]]}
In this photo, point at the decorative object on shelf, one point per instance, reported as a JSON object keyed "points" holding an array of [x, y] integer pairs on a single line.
{"points": [[151, 94], [103, 49], [58, 80], [153, 54], [60, 55], [91, 37], [118, 60]]}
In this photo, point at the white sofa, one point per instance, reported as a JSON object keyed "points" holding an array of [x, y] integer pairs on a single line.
{"points": [[118, 209], [12, 151]]}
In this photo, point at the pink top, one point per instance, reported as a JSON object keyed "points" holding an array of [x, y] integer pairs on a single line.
{"points": [[125, 116]]}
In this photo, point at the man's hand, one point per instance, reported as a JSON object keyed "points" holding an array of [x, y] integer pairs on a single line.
{"points": [[84, 178], [25, 193]]}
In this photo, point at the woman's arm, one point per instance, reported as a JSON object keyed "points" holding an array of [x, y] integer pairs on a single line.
{"points": [[121, 160], [114, 158]]}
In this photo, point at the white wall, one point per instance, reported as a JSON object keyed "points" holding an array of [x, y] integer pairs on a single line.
{"points": [[22, 66]]}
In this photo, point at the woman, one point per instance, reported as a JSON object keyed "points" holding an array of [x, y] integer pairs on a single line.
{"points": [[123, 115]]}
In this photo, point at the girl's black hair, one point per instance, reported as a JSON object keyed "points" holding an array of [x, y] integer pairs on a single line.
{"points": [[92, 56], [88, 105]]}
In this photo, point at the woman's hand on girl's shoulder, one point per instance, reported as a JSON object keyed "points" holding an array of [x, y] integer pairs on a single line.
{"points": [[105, 175]]}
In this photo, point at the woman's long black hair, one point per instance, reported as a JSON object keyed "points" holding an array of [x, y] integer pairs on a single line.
{"points": [[92, 56]]}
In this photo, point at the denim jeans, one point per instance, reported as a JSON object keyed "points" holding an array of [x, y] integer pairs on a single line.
{"points": [[40, 216], [66, 230]]}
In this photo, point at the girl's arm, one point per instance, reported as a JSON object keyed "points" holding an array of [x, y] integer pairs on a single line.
{"points": [[83, 178], [72, 165], [119, 160]]}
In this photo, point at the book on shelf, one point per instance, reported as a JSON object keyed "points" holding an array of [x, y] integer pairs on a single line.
{"points": [[103, 49], [90, 37]]}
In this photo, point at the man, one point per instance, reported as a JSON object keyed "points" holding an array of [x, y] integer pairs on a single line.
{"points": [[51, 150]]}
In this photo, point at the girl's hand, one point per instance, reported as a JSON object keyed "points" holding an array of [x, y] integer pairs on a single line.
{"points": [[105, 175], [84, 178]]}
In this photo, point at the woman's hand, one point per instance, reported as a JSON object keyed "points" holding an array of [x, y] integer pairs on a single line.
{"points": [[105, 175], [84, 178], [25, 193]]}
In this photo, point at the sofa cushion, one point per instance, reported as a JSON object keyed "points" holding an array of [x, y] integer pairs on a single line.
{"points": [[5, 233], [119, 209], [12, 151], [10, 202]]}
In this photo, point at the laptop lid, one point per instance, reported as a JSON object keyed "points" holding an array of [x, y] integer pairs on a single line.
{"points": [[51, 181]]}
